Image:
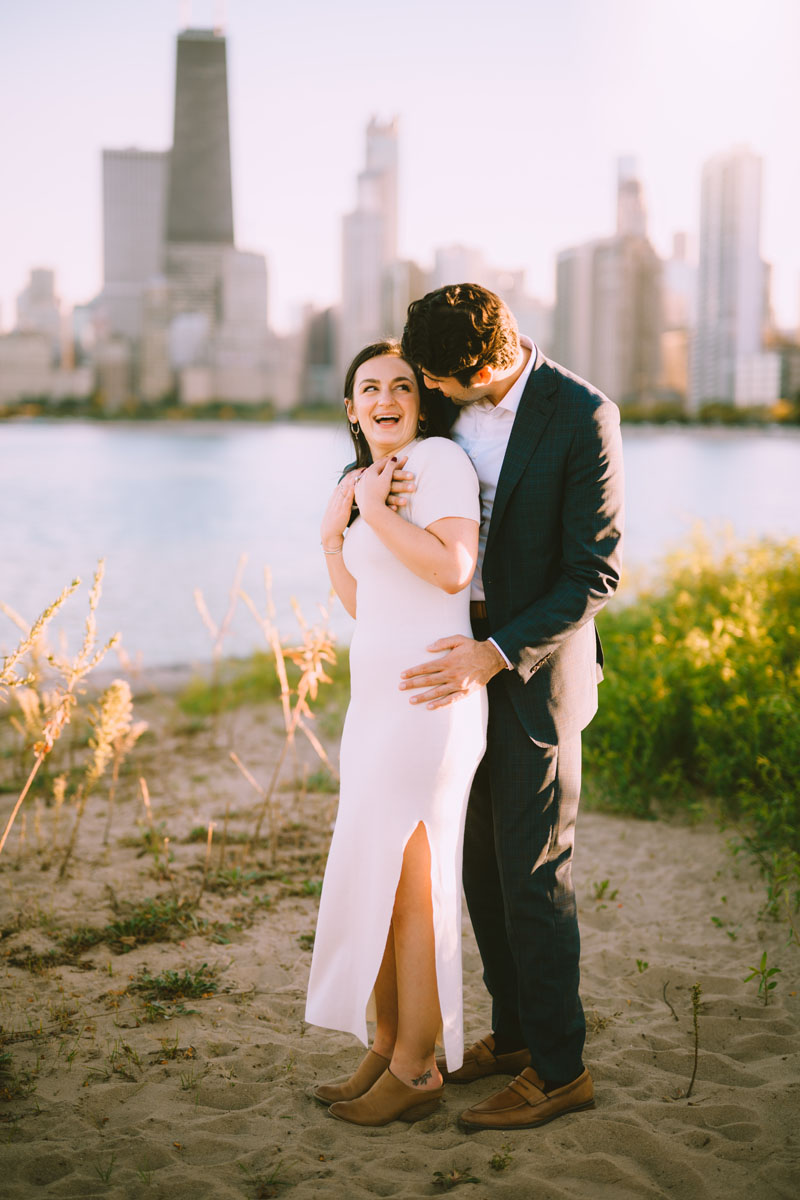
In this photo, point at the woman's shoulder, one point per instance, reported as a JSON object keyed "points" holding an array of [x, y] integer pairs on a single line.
{"points": [[445, 482], [439, 450]]}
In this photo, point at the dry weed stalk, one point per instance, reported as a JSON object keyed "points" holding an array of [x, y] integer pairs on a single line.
{"points": [[151, 825], [224, 841], [219, 632], [206, 864], [131, 666], [31, 635], [697, 992], [30, 707], [315, 650], [59, 795], [35, 708], [148, 808], [72, 673], [318, 647], [157, 845], [128, 734], [111, 727]]}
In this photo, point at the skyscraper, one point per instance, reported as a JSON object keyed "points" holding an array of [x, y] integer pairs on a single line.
{"points": [[631, 210], [573, 316], [608, 302], [460, 264], [680, 306], [39, 309], [134, 210], [178, 295], [369, 242], [731, 306], [200, 197], [200, 200], [134, 201]]}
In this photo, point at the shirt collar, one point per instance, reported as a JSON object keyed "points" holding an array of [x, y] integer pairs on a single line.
{"points": [[513, 396]]}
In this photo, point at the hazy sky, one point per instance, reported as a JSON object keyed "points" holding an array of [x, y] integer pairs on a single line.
{"points": [[512, 114]]}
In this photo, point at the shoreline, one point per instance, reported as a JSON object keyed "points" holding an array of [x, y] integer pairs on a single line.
{"points": [[205, 425]]}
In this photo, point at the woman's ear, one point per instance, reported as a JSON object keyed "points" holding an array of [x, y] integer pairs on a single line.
{"points": [[348, 408]]}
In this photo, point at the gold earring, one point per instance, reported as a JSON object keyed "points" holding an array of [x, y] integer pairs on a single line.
{"points": [[422, 422], [356, 428]]}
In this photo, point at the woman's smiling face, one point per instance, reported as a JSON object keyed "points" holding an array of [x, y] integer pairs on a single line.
{"points": [[385, 403]]}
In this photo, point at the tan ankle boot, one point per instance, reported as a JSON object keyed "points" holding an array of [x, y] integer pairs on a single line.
{"points": [[388, 1100], [367, 1072]]}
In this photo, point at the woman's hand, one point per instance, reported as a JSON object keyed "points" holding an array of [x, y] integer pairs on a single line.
{"points": [[337, 514], [373, 488]]}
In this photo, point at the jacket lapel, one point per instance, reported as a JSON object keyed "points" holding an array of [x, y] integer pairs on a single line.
{"points": [[536, 407]]}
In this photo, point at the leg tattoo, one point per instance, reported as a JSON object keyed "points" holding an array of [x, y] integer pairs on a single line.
{"points": [[421, 1079]]}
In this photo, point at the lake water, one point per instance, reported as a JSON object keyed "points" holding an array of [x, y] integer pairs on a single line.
{"points": [[172, 508]]}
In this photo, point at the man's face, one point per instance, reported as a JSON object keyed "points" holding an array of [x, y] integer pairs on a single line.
{"points": [[459, 393]]}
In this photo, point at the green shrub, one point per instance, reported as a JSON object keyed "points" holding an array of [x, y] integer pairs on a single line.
{"points": [[240, 681], [702, 698], [252, 680]]}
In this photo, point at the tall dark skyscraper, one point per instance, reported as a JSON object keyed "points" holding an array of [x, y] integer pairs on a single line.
{"points": [[200, 205], [199, 199]]}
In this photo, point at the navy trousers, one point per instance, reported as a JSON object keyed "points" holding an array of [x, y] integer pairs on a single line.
{"points": [[518, 843]]}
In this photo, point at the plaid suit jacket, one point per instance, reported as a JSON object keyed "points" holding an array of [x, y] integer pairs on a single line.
{"points": [[553, 551]]}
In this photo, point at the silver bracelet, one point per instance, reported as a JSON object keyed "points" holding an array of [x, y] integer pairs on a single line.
{"points": [[326, 551]]}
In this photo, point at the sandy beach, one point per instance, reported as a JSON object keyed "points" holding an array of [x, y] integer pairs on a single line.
{"points": [[110, 1088]]}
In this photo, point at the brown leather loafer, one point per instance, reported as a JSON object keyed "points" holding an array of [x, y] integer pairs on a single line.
{"points": [[480, 1060], [388, 1100], [525, 1104], [368, 1071]]}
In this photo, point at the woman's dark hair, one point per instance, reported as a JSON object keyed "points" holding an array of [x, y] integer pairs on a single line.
{"points": [[436, 425], [453, 332]]}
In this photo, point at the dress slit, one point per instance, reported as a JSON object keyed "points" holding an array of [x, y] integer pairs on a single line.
{"points": [[452, 1044]]}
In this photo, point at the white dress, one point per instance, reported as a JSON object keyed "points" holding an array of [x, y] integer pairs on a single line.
{"points": [[400, 764]]}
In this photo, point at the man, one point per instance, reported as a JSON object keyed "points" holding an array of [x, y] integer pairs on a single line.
{"points": [[547, 450]]}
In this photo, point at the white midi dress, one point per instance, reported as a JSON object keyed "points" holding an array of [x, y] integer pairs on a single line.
{"points": [[401, 764]]}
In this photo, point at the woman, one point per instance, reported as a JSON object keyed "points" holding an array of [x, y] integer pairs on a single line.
{"points": [[390, 913]]}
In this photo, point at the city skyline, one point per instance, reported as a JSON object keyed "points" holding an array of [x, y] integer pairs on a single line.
{"points": [[297, 129]]}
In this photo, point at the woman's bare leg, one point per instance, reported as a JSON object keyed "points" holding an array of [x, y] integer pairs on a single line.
{"points": [[386, 1001], [418, 1014]]}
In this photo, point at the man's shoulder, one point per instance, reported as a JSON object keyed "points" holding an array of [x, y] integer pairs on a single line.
{"points": [[571, 387], [578, 407]]}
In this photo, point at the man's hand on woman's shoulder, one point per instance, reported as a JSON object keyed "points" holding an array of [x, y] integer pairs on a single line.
{"points": [[402, 485]]}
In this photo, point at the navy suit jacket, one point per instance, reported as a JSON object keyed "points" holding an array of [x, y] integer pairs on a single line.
{"points": [[553, 551]]}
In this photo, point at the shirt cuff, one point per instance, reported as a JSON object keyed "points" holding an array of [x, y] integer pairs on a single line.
{"points": [[509, 665]]}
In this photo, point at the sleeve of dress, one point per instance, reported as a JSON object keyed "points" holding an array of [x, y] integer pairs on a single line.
{"points": [[446, 484]]}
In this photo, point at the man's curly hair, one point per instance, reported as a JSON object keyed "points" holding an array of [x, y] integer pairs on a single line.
{"points": [[456, 330]]}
